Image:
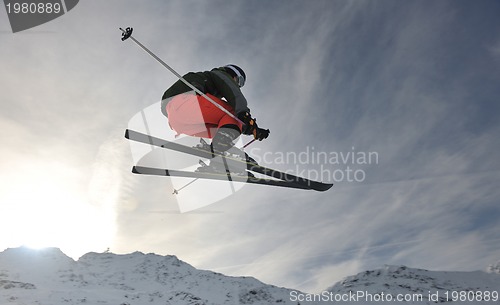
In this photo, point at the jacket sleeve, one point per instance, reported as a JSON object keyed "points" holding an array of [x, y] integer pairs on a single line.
{"points": [[228, 89]]}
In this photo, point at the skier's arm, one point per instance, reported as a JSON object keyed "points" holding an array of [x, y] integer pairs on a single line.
{"points": [[251, 127], [228, 88], [231, 91]]}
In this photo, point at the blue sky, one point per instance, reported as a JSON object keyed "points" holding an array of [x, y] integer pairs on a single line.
{"points": [[414, 81]]}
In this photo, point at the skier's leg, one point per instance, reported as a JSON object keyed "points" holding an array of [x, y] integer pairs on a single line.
{"points": [[225, 153], [214, 116], [228, 128], [185, 116], [225, 138]]}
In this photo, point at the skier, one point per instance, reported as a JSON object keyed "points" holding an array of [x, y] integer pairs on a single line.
{"points": [[195, 115], [192, 114]]}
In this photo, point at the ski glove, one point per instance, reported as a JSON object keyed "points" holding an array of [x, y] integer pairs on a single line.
{"points": [[261, 134], [251, 127]]}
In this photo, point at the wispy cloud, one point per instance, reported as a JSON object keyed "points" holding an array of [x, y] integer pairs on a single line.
{"points": [[399, 79]]}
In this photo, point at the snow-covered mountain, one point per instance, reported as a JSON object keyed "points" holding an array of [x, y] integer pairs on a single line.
{"points": [[416, 286], [49, 277]]}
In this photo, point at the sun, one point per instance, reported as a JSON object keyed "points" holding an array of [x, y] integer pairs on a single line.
{"points": [[47, 206]]}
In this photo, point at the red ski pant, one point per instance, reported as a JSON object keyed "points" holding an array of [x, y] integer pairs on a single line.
{"points": [[194, 115]]}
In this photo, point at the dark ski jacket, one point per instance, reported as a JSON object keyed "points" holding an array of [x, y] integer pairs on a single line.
{"points": [[216, 82]]}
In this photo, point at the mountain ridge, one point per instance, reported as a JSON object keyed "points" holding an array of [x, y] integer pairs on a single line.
{"points": [[49, 277]]}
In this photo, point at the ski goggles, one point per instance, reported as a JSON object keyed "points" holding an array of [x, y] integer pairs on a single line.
{"points": [[239, 78]]}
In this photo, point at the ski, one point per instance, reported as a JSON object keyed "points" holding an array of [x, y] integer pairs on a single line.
{"points": [[215, 176], [291, 179]]}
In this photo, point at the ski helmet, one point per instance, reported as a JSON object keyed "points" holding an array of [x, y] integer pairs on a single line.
{"points": [[237, 72]]}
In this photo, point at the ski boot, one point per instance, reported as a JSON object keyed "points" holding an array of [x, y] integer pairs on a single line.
{"points": [[226, 157]]}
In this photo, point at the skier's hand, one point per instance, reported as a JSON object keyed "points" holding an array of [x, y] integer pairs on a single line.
{"points": [[251, 127], [261, 134]]}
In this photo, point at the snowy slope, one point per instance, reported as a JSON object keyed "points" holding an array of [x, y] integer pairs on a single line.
{"points": [[417, 286], [49, 277]]}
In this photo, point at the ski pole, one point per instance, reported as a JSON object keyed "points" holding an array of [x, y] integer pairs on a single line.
{"points": [[176, 191], [246, 145], [127, 33]]}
